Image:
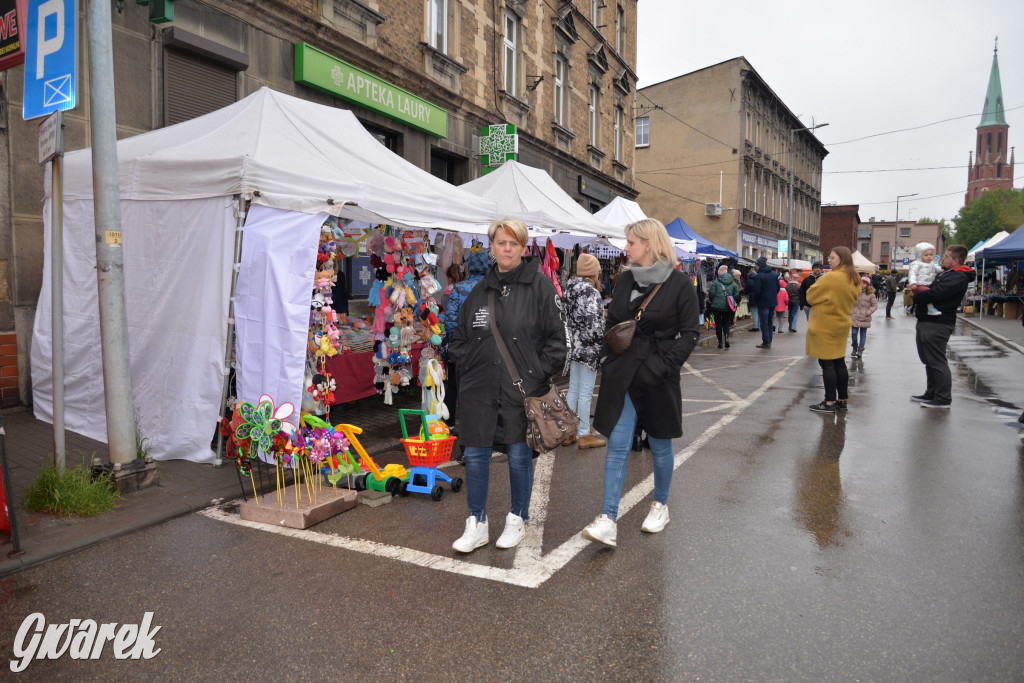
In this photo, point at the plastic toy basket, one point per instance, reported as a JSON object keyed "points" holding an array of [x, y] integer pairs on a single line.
{"points": [[424, 452]]}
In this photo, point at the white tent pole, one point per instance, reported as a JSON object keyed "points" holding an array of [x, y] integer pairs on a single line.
{"points": [[235, 261], [982, 287]]}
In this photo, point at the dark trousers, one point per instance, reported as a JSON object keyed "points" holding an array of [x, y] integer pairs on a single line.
{"points": [[765, 318], [836, 377], [890, 299], [723, 321], [931, 349]]}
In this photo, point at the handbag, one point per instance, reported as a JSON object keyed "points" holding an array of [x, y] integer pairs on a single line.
{"points": [[549, 420], [731, 301], [620, 336]]}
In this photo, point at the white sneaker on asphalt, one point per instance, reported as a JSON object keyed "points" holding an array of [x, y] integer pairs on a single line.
{"points": [[515, 529], [601, 530], [657, 518], [476, 535]]}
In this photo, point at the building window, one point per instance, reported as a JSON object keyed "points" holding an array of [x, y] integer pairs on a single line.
{"points": [[437, 11], [904, 232], [999, 143], [865, 247], [594, 109], [618, 134], [511, 52], [620, 18], [595, 5], [388, 138], [747, 134], [988, 143], [885, 249], [643, 131], [560, 72]]}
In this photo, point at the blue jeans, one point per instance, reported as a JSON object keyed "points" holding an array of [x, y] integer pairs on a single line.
{"points": [[478, 475], [863, 336], [581, 390], [620, 441], [753, 317], [765, 314], [807, 312], [794, 312]]}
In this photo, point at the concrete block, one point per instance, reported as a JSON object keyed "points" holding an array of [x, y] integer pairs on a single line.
{"points": [[327, 503], [374, 498]]}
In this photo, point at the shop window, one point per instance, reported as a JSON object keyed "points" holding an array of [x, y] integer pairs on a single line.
{"points": [[437, 24], [450, 168], [643, 131], [510, 53], [388, 138], [561, 71]]}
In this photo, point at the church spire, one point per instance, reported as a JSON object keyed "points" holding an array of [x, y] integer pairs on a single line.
{"points": [[992, 114]]}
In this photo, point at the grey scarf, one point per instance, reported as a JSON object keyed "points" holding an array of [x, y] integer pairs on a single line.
{"points": [[646, 276]]}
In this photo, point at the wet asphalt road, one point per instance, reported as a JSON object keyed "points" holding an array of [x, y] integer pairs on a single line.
{"points": [[884, 544]]}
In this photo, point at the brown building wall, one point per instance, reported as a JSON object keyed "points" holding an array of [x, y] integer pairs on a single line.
{"points": [[387, 38], [839, 227]]}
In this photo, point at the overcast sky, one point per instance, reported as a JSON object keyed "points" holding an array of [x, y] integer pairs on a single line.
{"points": [[864, 68]]}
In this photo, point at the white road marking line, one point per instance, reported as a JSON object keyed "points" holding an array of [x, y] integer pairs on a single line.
{"points": [[530, 569]]}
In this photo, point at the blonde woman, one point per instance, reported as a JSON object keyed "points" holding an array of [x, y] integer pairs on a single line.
{"points": [[642, 384], [527, 313]]}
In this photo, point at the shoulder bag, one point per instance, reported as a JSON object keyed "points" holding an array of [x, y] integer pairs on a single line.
{"points": [[549, 420], [620, 336]]}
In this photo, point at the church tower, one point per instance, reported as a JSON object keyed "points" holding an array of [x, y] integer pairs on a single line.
{"points": [[992, 165]]}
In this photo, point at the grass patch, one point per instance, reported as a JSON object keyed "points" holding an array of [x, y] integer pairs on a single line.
{"points": [[76, 493]]}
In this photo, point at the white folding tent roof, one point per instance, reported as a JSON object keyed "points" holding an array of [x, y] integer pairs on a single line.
{"points": [[990, 242], [532, 195], [861, 263], [621, 212]]}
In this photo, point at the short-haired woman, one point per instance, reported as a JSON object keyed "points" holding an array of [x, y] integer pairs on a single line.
{"points": [[831, 299], [642, 384], [527, 315]]}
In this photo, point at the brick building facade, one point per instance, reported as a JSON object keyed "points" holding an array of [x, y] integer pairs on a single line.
{"points": [[839, 226], [562, 72]]}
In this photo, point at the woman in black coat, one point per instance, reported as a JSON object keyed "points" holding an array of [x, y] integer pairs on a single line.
{"points": [[643, 383], [490, 405]]}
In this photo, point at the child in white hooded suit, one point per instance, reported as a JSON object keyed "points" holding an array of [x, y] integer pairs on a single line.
{"points": [[923, 270]]}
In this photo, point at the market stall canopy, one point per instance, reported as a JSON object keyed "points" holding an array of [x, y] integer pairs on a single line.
{"points": [[793, 263], [1010, 248], [292, 154], [992, 241], [680, 230], [861, 263], [533, 196], [621, 212]]}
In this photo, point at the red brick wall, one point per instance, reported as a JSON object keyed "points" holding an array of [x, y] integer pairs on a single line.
{"points": [[8, 370], [838, 227]]}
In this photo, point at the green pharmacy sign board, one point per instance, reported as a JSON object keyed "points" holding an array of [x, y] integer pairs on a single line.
{"points": [[498, 144], [319, 70]]}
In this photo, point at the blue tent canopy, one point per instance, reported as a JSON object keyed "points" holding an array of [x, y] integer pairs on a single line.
{"points": [[1011, 248], [680, 230]]}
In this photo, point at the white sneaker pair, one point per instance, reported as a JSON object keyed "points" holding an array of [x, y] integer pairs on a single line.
{"points": [[603, 529], [477, 534]]}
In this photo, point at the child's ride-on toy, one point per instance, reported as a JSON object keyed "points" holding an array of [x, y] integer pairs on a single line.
{"points": [[425, 453]]}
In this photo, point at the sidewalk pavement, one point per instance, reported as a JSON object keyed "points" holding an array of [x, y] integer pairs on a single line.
{"points": [[182, 486]]}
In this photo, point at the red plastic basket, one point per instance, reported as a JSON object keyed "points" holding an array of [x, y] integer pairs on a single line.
{"points": [[428, 453]]}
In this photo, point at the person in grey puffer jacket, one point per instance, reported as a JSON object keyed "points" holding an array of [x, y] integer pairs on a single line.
{"points": [[585, 317], [721, 287]]}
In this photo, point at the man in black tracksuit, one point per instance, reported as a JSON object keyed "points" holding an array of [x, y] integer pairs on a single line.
{"points": [[933, 331]]}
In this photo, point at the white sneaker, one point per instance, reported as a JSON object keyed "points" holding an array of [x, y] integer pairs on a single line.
{"points": [[476, 535], [601, 530], [515, 529], [657, 518]]}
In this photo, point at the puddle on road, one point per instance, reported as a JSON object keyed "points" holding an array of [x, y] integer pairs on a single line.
{"points": [[970, 352]]}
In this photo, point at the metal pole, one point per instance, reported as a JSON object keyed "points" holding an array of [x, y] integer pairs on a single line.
{"points": [[239, 224], [117, 378], [57, 303]]}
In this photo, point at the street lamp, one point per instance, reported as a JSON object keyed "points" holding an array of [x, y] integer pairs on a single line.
{"points": [[792, 163], [896, 234]]}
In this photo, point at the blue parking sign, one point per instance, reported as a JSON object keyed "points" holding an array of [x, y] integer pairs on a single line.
{"points": [[50, 57]]}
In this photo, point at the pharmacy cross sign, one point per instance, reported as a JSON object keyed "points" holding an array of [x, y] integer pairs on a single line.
{"points": [[498, 144]]}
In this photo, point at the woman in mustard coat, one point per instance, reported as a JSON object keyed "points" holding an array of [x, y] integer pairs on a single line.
{"points": [[831, 299]]}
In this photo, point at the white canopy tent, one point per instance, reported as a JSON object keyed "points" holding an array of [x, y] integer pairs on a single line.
{"points": [[862, 264], [533, 196], [990, 242], [179, 189], [621, 212]]}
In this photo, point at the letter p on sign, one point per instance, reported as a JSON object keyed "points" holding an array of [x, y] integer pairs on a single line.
{"points": [[50, 57]]}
